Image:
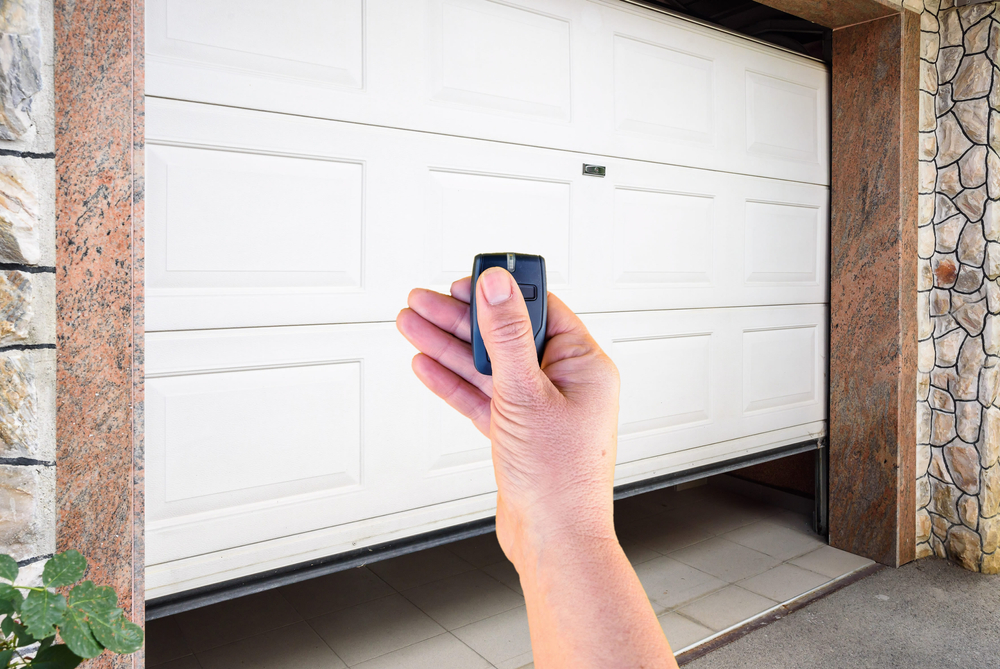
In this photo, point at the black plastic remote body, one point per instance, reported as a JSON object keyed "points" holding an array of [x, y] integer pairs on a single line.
{"points": [[529, 272]]}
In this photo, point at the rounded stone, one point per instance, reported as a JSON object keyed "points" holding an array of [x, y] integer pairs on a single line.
{"points": [[947, 348], [991, 563], [989, 498], [923, 386], [972, 244], [968, 509], [973, 79], [989, 530], [991, 335], [964, 547], [951, 30], [925, 355], [15, 305], [924, 327], [925, 241], [992, 296], [952, 142], [946, 234], [991, 220], [923, 526], [993, 174], [977, 38], [974, 116], [989, 443], [971, 359], [937, 467], [943, 208], [923, 492], [925, 275], [949, 180], [940, 302], [971, 202], [988, 385], [970, 279], [942, 432], [948, 61], [963, 461], [941, 400], [923, 457]]}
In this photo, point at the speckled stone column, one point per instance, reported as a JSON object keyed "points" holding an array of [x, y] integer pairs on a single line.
{"points": [[98, 142], [958, 323]]}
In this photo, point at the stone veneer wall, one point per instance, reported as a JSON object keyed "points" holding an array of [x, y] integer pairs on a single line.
{"points": [[27, 285], [958, 308]]}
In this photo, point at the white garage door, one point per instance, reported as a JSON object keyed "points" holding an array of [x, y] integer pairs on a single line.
{"points": [[309, 162]]}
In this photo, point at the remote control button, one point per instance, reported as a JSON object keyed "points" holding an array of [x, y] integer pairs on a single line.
{"points": [[529, 291]]}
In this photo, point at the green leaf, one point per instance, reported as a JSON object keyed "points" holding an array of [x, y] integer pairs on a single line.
{"points": [[8, 568], [55, 657], [41, 612], [7, 626], [5, 656], [64, 568], [10, 600], [92, 599], [115, 632], [23, 637], [75, 631]]}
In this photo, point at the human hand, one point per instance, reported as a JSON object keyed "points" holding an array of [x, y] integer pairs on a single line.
{"points": [[553, 428]]}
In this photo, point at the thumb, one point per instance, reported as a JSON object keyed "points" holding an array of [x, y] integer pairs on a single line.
{"points": [[506, 329]]}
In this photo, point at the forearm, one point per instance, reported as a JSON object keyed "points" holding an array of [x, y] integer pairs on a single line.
{"points": [[586, 608]]}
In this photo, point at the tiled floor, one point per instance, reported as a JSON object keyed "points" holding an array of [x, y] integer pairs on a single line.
{"points": [[709, 559]]}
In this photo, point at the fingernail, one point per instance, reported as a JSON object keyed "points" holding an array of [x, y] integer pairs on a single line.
{"points": [[496, 285]]}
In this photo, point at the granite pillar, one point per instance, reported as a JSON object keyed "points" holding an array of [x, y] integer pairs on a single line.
{"points": [[98, 146], [872, 288]]}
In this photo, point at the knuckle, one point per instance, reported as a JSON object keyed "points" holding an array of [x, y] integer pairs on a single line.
{"points": [[509, 330]]}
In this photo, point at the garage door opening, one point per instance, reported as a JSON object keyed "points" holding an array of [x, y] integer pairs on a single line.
{"points": [[295, 162]]}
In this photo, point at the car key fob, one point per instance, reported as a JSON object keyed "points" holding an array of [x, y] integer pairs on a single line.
{"points": [[529, 272]]}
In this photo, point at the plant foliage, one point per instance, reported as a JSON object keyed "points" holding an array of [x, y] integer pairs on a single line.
{"points": [[87, 620]]}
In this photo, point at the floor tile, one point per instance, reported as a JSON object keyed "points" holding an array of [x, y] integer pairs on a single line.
{"points": [[718, 517], [506, 574], [479, 551], [831, 562], [463, 599], [637, 553], [440, 652], [637, 506], [726, 607], [724, 559], [522, 661], [499, 639], [669, 583], [675, 535], [375, 628], [236, 619], [189, 662], [784, 582], [682, 632], [793, 519], [164, 641], [334, 592], [774, 539], [409, 571], [294, 647]]}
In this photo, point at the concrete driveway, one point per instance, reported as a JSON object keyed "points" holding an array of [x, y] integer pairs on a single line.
{"points": [[926, 614]]}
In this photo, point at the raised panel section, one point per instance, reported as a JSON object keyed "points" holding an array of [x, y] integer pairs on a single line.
{"points": [[238, 430], [779, 368], [476, 212], [782, 243], [663, 91], [225, 219], [501, 57], [663, 237], [454, 442], [666, 382], [320, 41], [782, 118]]}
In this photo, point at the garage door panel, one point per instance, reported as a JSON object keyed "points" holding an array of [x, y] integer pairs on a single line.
{"points": [[298, 221], [473, 62], [319, 41], [696, 377], [472, 212], [225, 218], [596, 77]]}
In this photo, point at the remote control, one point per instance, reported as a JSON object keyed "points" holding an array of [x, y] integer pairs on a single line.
{"points": [[529, 272]]}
